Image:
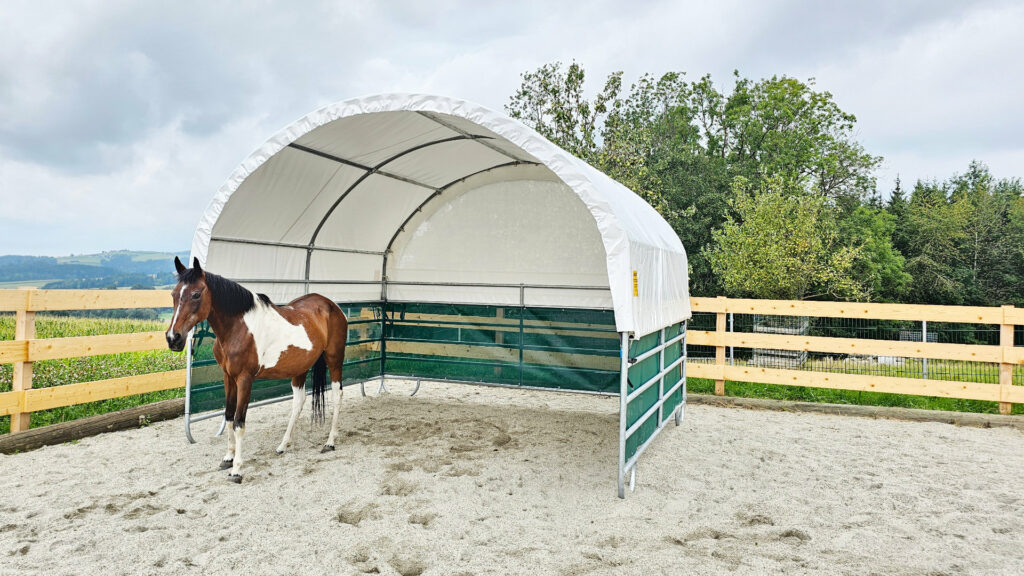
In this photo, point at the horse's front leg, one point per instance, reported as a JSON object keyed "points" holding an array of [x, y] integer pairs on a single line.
{"points": [[298, 399], [243, 387], [230, 393]]}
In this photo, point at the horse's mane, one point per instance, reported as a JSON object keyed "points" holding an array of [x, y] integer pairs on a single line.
{"points": [[229, 297]]}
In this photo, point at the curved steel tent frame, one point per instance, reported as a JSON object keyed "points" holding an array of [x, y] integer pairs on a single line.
{"points": [[364, 199]]}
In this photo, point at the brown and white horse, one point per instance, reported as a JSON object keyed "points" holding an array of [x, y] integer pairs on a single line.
{"points": [[257, 340]]}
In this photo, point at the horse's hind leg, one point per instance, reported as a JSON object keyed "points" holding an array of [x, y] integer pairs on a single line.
{"points": [[335, 362], [298, 400]]}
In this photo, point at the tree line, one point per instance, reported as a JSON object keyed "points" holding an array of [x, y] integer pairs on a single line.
{"points": [[774, 197]]}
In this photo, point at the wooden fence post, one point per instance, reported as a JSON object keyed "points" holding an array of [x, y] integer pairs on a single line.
{"points": [[1005, 367], [720, 349], [24, 329]]}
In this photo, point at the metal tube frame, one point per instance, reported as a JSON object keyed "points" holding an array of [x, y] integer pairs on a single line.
{"points": [[623, 393], [188, 388], [924, 338], [629, 466]]}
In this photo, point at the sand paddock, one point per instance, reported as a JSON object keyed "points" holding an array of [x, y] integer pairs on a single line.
{"points": [[470, 480]]}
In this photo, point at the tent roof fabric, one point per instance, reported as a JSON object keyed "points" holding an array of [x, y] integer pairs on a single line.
{"points": [[409, 148]]}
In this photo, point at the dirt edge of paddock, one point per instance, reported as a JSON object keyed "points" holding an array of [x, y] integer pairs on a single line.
{"points": [[974, 419]]}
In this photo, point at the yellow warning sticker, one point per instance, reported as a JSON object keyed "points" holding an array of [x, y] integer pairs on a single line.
{"points": [[636, 291]]}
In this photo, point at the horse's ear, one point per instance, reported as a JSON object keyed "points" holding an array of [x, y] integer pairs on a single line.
{"points": [[178, 265], [195, 264]]}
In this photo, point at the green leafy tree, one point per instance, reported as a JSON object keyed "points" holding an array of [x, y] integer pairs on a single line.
{"points": [[879, 266], [679, 144], [786, 246], [897, 208], [963, 241], [552, 102], [937, 231]]}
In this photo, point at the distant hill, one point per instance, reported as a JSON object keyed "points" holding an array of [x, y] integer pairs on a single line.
{"points": [[115, 269]]}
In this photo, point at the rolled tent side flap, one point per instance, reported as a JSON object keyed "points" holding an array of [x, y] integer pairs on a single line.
{"points": [[401, 138]]}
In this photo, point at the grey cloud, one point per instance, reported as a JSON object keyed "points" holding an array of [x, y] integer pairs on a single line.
{"points": [[135, 109]]}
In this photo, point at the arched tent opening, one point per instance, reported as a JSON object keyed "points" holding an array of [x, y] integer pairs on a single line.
{"points": [[463, 246]]}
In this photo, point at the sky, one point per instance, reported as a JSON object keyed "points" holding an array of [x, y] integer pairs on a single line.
{"points": [[120, 120]]}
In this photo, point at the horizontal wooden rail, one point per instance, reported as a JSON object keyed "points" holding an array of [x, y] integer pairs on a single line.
{"points": [[47, 300], [83, 392], [967, 352], [857, 382], [504, 354], [53, 348], [913, 312], [13, 351]]}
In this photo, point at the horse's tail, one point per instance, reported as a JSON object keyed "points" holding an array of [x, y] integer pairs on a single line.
{"points": [[319, 387]]}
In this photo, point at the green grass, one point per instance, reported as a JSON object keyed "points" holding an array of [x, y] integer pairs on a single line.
{"points": [[73, 370]]}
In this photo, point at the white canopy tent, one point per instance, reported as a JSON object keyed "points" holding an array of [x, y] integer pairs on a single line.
{"points": [[416, 188], [426, 199]]}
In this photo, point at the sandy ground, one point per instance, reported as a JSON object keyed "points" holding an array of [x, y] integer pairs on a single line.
{"points": [[470, 480]]}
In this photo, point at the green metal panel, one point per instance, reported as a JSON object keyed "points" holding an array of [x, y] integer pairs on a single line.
{"points": [[641, 372], [566, 348]]}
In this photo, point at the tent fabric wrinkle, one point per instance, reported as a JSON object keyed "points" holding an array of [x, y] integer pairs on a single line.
{"points": [[424, 198]]}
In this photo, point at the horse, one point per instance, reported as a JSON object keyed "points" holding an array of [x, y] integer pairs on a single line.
{"points": [[256, 339]]}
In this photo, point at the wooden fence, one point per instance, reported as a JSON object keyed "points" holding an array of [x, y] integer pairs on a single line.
{"points": [[26, 349], [1004, 355]]}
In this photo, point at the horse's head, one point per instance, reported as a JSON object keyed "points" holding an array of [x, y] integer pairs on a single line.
{"points": [[192, 303]]}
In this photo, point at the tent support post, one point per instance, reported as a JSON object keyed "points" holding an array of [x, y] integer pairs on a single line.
{"points": [[623, 393], [682, 405], [188, 389], [383, 327], [522, 313]]}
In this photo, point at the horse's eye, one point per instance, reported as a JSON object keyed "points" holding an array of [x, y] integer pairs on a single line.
{"points": [[196, 295]]}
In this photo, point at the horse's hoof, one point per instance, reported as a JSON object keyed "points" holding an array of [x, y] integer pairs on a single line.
{"points": [[279, 451], [327, 448], [236, 478], [225, 464]]}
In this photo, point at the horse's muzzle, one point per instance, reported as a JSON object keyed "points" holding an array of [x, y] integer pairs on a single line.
{"points": [[176, 342]]}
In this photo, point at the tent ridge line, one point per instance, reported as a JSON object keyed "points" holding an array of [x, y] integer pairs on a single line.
{"points": [[433, 116], [367, 169]]}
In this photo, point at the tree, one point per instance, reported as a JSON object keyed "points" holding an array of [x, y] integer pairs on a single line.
{"points": [[963, 240], [936, 234], [552, 102], [681, 144], [897, 208], [786, 246], [782, 127], [879, 266]]}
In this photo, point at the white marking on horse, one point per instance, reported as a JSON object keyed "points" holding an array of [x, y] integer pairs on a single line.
{"points": [[298, 399], [231, 442], [336, 395], [273, 334], [181, 300], [236, 464]]}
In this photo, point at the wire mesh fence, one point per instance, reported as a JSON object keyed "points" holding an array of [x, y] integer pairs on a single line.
{"points": [[865, 329]]}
